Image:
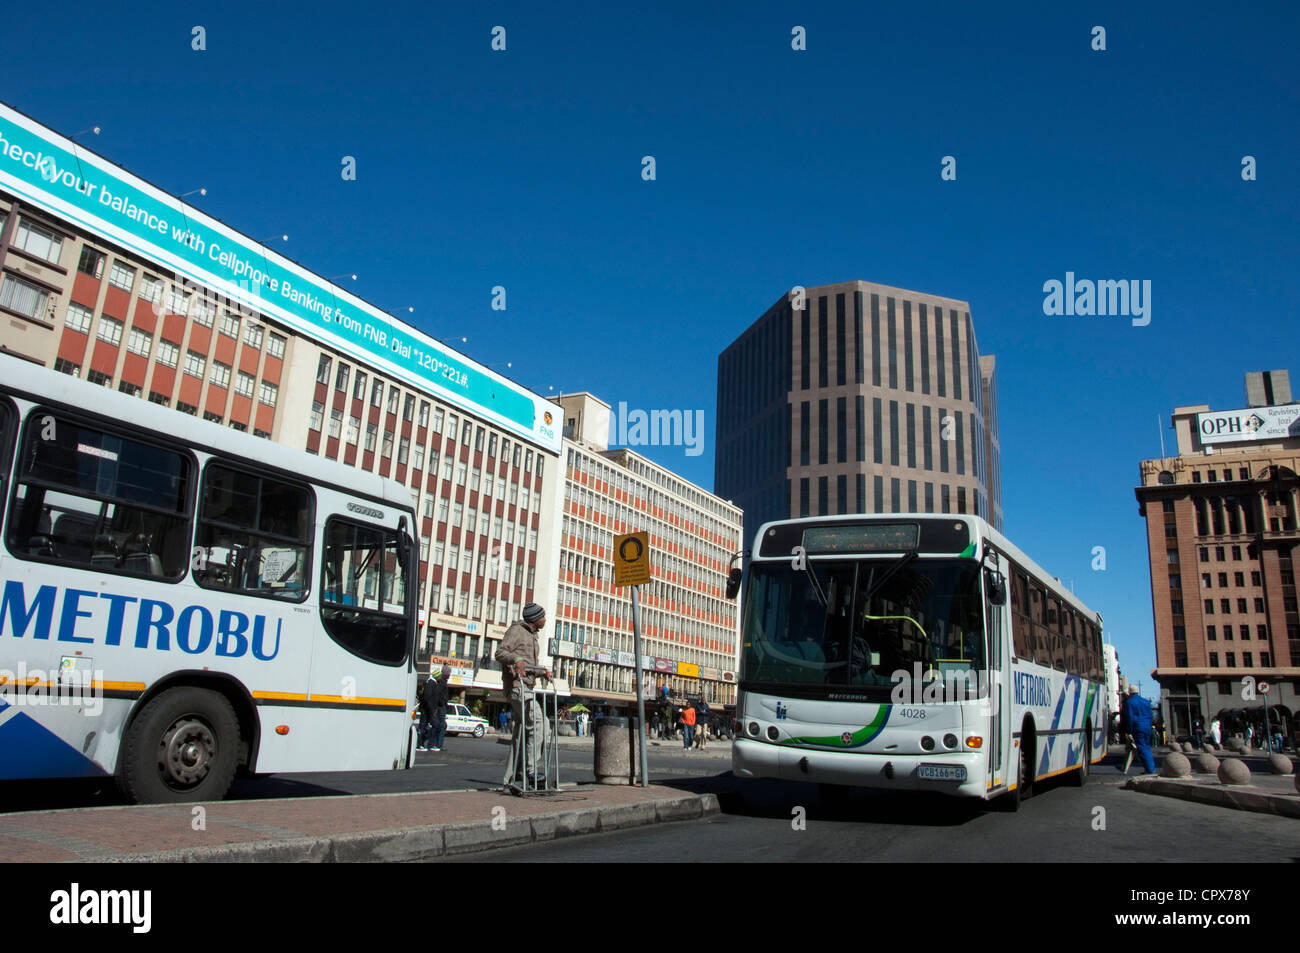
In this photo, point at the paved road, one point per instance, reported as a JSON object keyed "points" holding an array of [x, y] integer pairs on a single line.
{"points": [[758, 824]]}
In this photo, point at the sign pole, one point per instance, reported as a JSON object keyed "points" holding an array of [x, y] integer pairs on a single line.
{"points": [[640, 688]]}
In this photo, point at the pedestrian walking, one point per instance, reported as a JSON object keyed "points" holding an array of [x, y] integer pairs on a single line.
{"points": [[1216, 732], [1139, 715], [702, 724], [518, 654]]}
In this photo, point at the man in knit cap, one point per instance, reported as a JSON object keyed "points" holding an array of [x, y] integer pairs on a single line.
{"points": [[518, 654]]}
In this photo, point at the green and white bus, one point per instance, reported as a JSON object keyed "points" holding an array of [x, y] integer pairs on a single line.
{"points": [[913, 652]]}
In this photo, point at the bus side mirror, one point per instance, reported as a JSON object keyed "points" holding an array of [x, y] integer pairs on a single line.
{"points": [[996, 584], [733, 583]]}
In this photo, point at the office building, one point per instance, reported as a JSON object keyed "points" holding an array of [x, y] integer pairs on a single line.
{"points": [[108, 278], [1224, 544], [858, 398], [689, 628]]}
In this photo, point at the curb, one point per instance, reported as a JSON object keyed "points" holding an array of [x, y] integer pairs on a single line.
{"points": [[433, 842], [1239, 797]]}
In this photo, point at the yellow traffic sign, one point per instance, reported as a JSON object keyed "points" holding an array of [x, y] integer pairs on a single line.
{"points": [[632, 559]]}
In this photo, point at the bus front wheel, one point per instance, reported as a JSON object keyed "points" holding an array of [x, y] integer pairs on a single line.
{"points": [[181, 747]]}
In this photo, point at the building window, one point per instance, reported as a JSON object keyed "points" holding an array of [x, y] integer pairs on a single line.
{"points": [[387, 449], [132, 390], [185, 408], [139, 342], [121, 276], [230, 325], [341, 380], [1210, 634], [336, 422], [194, 364], [203, 312], [268, 394], [38, 241], [244, 384], [100, 378], [168, 353], [109, 330], [393, 396], [1214, 660], [354, 429], [78, 318], [276, 347], [91, 262], [408, 408], [161, 399], [210, 416], [220, 374], [67, 367], [253, 335], [372, 430], [317, 415], [359, 388], [24, 298]]}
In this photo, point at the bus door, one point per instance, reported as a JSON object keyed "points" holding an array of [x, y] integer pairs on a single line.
{"points": [[995, 611]]}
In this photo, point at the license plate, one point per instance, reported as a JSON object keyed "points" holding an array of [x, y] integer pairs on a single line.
{"points": [[942, 772]]}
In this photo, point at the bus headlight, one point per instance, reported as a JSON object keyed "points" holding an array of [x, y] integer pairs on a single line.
{"points": [[927, 743], [950, 740], [753, 729]]}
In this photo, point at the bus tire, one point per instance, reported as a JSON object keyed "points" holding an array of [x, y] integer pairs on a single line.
{"points": [[1080, 777], [183, 746]]}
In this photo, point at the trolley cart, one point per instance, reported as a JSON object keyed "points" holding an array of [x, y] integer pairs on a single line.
{"points": [[543, 777]]}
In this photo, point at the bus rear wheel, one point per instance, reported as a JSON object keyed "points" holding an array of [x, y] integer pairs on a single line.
{"points": [[183, 746], [1080, 777]]}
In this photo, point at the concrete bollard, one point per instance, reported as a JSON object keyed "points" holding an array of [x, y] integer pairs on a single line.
{"points": [[1175, 766], [1233, 771], [613, 751], [1207, 764], [1280, 764], [1188, 747]]}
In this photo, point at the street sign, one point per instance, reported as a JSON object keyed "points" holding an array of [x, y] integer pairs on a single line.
{"points": [[632, 559], [1264, 688]]}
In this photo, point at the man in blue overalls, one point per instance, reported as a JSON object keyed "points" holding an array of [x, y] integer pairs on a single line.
{"points": [[1139, 721]]}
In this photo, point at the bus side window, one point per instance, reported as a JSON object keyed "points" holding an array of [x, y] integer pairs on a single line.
{"points": [[94, 499], [255, 534], [7, 417]]}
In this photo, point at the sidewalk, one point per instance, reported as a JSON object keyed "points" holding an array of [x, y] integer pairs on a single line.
{"points": [[377, 827], [1266, 794]]}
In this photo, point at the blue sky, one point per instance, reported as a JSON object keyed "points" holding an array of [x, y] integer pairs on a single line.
{"points": [[774, 167]]}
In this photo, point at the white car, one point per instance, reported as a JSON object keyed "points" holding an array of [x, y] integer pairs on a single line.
{"points": [[461, 722]]}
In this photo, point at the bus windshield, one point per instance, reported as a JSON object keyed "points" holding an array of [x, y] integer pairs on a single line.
{"points": [[860, 621]]}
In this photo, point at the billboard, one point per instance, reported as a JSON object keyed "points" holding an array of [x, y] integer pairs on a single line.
{"points": [[72, 183], [1251, 424]]}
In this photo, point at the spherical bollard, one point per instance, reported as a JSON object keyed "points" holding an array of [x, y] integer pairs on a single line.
{"points": [[1188, 747], [1206, 764], [1175, 766], [613, 751], [1233, 771], [1280, 764]]}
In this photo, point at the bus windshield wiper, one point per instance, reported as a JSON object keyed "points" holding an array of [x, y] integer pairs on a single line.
{"points": [[907, 559]]}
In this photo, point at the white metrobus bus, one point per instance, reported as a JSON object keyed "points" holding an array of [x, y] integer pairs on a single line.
{"points": [[913, 652], [179, 601]]}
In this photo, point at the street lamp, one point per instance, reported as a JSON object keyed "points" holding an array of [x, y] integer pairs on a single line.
{"points": [[192, 192]]}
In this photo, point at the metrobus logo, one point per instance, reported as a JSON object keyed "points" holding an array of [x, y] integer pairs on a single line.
{"points": [[1032, 689], [147, 623]]}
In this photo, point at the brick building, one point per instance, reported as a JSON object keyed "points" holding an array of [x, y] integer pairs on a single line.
{"points": [[1224, 546]]}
